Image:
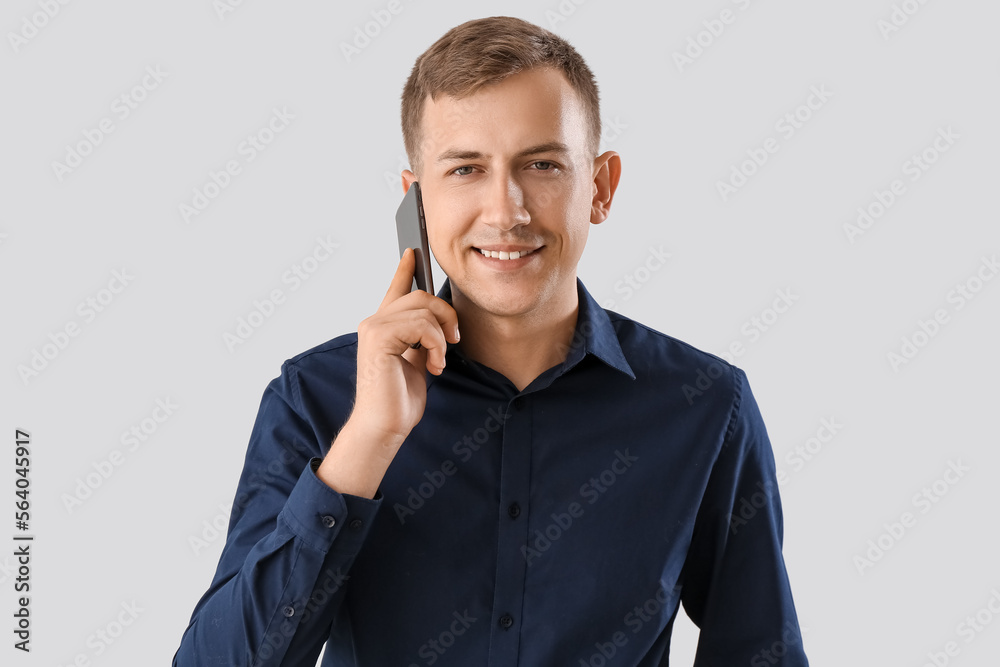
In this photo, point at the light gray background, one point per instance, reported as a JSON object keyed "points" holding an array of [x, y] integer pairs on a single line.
{"points": [[335, 171]]}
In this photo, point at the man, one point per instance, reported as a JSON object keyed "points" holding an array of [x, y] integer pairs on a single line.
{"points": [[540, 481]]}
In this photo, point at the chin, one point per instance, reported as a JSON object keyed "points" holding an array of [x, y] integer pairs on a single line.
{"points": [[506, 304], [501, 300]]}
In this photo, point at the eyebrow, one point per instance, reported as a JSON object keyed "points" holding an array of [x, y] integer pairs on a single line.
{"points": [[548, 147]]}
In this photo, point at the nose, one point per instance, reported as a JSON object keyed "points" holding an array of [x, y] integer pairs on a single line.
{"points": [[503, 203]]}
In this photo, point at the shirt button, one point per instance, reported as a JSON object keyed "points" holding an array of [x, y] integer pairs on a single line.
{"points": [[329, 521], [518, 403], [506, 621], [356, 524], [514, 510], [288, 611]]}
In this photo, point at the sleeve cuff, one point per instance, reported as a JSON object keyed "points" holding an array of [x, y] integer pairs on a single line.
{"points": [[325, 519]]}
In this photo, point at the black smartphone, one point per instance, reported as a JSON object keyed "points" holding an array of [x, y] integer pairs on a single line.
{"points": [[411, 230]]}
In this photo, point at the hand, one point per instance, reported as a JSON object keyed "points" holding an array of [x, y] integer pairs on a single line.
{"points": [[392, 390], [391, 386]]}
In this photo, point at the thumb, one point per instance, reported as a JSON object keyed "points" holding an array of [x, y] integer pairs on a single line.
{"points": [[402, 280]]}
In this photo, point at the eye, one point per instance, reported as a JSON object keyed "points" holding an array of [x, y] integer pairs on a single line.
{"points": [[455, 171], [548, 165]]}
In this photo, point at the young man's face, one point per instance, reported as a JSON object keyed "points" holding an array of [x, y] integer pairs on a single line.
{"points": [[507, 170]]}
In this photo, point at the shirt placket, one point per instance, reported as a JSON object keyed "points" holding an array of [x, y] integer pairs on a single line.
{"points": [[508, 592]]}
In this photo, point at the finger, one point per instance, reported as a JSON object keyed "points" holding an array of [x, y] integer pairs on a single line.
{"points": [[394, 333], [446, 317], [417, 358], [432, 344], [402, 280], [419, 338], [440, 310]]}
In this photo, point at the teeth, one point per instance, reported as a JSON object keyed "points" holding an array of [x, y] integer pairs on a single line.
{"points": [[503, 254]]}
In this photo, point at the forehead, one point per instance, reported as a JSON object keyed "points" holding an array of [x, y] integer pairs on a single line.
{"points": [[529, 108]]}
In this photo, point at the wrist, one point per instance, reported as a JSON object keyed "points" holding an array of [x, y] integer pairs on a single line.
{"points": [[357, 460]]}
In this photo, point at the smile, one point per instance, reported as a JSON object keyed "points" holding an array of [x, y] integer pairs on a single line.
{"points": [[503, 254]]}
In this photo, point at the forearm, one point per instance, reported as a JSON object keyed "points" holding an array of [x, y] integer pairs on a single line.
{"points": [[272, 602], [357, 460]]}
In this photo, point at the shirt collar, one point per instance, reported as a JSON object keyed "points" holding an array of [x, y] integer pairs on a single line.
{"points": [[594, 333]]}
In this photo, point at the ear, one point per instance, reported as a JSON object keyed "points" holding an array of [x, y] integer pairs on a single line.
{"points": [[607, 171], [408, 178]]}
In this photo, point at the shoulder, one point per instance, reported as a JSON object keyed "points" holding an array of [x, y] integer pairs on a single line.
{"points": [[319, 373], [686, 380], [700, 386], [334, 351], [662, 356]]}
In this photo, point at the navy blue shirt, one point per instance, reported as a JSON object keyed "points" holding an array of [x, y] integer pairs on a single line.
{"points": [[564, 524]]}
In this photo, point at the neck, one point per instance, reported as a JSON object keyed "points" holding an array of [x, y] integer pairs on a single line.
{"points": [[521, 347]]}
